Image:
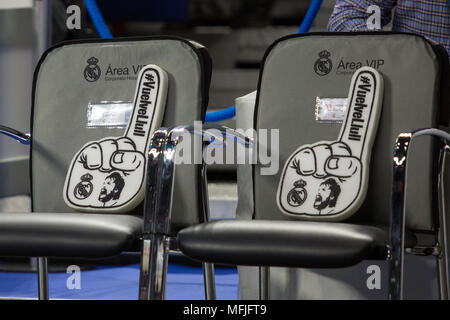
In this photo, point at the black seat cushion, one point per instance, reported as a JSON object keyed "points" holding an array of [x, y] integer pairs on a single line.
{"points": [[71, 235], [283, 243]]}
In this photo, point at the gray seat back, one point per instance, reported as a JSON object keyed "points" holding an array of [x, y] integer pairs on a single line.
{"points": [[290, 81], [62, 94]]}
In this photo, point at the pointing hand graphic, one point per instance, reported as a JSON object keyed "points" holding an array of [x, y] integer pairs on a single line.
{"points": [[109, 175], [110, 154], [328, 179]]}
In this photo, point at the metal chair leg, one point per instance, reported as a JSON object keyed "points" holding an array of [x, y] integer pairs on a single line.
{"points": [[144, 278], [441, 259], [157, 208], [264, 283], [159, 261], [396, 247], [208, 268], [42, 278], [209, 279], [154, 262], [157, 211], [397, 232], [442, 266]]}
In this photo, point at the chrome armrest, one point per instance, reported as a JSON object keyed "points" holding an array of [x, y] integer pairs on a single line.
{"points": [[158, 203], [161, 170], [397, 228], [24, 138], [211, 136]]}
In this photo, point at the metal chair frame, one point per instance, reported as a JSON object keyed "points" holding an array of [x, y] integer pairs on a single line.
{"points": [[158, 202], [155, 237], [397, 229], [395, 247]]}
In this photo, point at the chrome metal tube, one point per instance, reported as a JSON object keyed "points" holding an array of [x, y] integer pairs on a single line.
{"points": [[209, 281], [208, 268], [159, 254], [42, 278], [442, 258], [397, 232], [211, 135], [158, 205], [264, 283], [156, 223], [23, 138], [144, 277], [397, 228]]}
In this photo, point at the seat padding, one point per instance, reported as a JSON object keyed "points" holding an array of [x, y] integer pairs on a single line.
{"points": [[67, 235], [282, 243]]}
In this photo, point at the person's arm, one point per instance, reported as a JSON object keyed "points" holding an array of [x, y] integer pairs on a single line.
{"points": [[352, 15]]}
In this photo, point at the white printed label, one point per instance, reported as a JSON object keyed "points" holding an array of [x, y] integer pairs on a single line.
{"points": [[105, 114], [331, 109]]}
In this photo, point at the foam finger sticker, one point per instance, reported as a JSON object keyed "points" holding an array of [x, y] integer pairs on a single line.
{"points": [[327, 180], [109, 175]]}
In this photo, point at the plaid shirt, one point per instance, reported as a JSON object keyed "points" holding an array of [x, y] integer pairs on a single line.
{"points": [[429, 18]]}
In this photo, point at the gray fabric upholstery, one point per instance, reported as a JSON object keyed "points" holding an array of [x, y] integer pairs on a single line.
{"points": [[61, 96], [288, 89], [61, 99]]}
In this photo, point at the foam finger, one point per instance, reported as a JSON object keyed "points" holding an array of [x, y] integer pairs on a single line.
{"points": [[127, 160], [91, 157], [126, 144], [305, 162], [342, 166], [322, 152], [107, 147]]}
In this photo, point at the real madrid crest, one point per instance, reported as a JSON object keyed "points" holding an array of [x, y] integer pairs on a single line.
{"points": [[323, 65], [92, 71], [84, 188]]}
